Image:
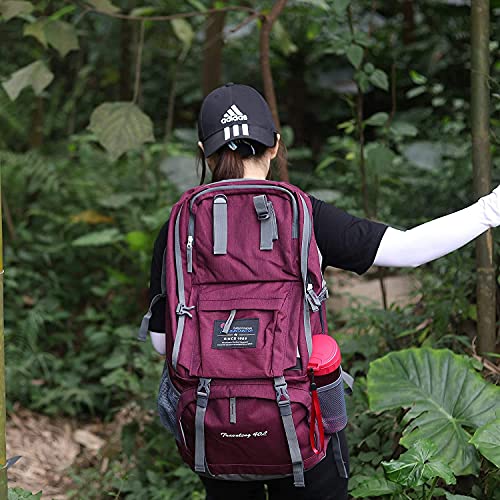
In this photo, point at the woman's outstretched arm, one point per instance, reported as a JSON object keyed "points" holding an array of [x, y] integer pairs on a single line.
{"points": [[438, 237]]}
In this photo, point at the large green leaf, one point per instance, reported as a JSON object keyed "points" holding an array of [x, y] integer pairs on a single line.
{"points": [[487, 441], [355, 55], [35, 75], [445, 397], [418, 465], [121, 127], [375, 487], [37, 30], [9, 10]]}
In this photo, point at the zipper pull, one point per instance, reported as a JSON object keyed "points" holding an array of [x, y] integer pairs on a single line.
{"points": [[189, 252]]}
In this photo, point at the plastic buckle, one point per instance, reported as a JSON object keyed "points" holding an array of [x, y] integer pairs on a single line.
{"points": [[182, 310], [281, 392]]}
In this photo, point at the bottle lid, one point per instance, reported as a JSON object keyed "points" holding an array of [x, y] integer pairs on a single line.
{"points": [[325, 357]]}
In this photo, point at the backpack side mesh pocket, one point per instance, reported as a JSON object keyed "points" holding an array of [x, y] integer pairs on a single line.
{"points": [[333, 407], [168, 397]]}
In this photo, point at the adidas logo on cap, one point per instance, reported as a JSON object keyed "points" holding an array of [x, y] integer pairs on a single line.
{"points": [[233, 114]]}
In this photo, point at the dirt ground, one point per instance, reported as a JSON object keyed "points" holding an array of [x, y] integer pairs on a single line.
{"points": [[49, 446]]}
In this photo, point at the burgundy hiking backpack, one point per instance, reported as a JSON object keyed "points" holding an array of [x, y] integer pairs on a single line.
{"points": [[244, 297]]}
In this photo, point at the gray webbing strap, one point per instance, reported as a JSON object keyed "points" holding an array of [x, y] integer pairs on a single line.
{"points": [[202, 394], [232, 410], [268, 225], [229, 321], [337, 456], [143, 329], [220, 224], [283, 400], [304, 257], [182, 310], [349, 380]]}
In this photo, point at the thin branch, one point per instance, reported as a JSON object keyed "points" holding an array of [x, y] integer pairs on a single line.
{"points": [[138, 64], [267, 76], [8, 219], [182, 15]]}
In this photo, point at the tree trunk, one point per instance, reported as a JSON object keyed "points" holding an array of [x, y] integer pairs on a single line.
{"points": [[481, 160], [212, 52], [267, 76], [3, 452]]}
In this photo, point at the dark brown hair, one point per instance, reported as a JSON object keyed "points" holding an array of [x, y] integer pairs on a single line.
{"points": [[229, 163]]}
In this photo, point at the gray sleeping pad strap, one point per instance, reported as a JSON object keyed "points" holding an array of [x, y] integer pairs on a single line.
{"points": [[283, 400], [349, 380], [304, 258], [202, 394], [268, 225], [220, 224], [144, 328]]}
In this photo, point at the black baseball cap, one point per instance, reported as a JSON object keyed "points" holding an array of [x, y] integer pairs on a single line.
{"points": [[233, 112]]}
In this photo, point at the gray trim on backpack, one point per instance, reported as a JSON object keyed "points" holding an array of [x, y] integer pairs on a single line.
{"points": [[267, 217], [232, 410], [283, 400], [202, 394], [229, 321], [182, 310], [304, 258], [144, 328], [220, 224]]}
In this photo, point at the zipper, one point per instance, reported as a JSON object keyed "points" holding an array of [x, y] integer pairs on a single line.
{"points": [[189, 253]]}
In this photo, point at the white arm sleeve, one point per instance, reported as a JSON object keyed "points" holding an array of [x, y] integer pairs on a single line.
{"points": [[158, 341], [438, 237]]}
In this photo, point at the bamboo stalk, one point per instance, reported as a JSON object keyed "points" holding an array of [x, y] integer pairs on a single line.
{"points": [[481, 161], [3, 451]]}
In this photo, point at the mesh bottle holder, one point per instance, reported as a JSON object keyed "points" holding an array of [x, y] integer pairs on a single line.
{"points": [[168, 397], [332, 403]]}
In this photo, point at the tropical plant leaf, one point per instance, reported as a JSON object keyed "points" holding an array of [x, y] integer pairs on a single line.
{"points": [[9, 10], [98, 238], [35, 75], [451, 496], [418, 465], [375, 487], [121, 127], [445, 396], [61, 36], [104, 6], [487, 440]]}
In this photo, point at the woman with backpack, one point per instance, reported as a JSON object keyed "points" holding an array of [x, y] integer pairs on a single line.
{"points": [[201, 400]]}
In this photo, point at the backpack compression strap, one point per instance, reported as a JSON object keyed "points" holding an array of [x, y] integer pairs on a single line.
{"points": [[283, 400]]}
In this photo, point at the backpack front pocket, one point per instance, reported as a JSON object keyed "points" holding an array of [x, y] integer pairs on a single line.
{"points": [[241, 336]]}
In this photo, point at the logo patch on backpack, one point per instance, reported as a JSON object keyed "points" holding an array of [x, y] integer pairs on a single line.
{"points": [[242, 335]]}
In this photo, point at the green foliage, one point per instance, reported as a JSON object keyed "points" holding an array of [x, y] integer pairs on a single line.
{"points": [[19, 493], [121, 127], [445, 397], [35, 75], [418, 466], [487, 440]]}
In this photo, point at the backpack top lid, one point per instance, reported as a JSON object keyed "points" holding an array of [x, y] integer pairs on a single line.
{"points": [[325, 357]]}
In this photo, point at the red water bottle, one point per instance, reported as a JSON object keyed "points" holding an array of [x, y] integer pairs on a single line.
{"points": [[323, 368]]}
